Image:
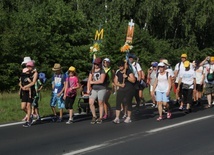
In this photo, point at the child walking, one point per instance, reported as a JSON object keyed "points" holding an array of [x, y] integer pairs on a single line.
{"points": [[71, 86]]}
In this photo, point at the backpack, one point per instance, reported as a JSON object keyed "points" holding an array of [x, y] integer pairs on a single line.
{"points": [[210, 76]]}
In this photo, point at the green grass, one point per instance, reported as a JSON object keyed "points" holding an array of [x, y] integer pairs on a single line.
{"points": [[10, 105]]}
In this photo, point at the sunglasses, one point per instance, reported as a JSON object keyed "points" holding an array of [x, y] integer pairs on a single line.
{"points": [[96, 64]]}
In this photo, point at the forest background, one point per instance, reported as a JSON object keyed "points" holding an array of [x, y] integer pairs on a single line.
{"points": [[62, 31]]}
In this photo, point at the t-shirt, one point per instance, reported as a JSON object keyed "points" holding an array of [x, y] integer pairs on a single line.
{"points": [[181, 69], [128, 84], [136, 68], [199, 75], [188, 77], [72, 82], [152, 77], [170, 71], [162, 84], [96, 76], [58, 82]]}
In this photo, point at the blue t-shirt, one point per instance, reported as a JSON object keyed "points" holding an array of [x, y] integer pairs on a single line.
{"points": [[58, 82]]}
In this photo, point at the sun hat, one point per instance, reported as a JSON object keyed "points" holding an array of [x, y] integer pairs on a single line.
{"points": [[183, 55], [165, 61], [97, 61], [24, 70], [107, 60], [56, 67], [26, 60], [161, 64], [154, 64], [186, 63], [30, 64], [72, 69]]}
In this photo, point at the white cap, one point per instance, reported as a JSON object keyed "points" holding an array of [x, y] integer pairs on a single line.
{"points": [[107, 59], [26, 60], [161, 64]]}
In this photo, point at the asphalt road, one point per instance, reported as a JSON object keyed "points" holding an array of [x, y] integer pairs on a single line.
{"points": [[190, 134]]}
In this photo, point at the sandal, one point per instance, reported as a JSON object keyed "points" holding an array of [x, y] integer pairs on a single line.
{"points": [[159, 118], [208, 106]]}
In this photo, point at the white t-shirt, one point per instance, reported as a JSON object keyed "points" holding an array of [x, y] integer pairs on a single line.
{"points": [[170, 71], [188, 77], [199, 75], [208, 68], [181, 69], [136, 68], [162, 84]]}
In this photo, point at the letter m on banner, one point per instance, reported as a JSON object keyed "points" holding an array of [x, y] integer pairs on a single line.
{"points": [[99, 35]]}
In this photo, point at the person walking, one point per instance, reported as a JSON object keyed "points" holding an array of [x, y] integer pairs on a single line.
{"points": [[70, 93], [28, 92], [208, 63], [188, 80], [161, 88], [109, 86], [96, 87], [124, 79], [58, 86]]}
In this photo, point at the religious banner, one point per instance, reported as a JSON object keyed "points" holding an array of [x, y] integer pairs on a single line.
{"points": [[130, 32]]}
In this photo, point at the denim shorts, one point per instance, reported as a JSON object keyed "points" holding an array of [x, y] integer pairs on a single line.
{"points": [[161, 97], [57, 100], [98, 94]]}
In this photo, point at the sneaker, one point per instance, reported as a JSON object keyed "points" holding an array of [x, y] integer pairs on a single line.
{"points": [[24, 119], [187, 111], [127, 120], [54, 118], [59, 120], [169, 114], [69, 121], [124, 116], [105, 116], [27, 124], [99, 121], [116, 121], [159, 118], [181, 108], [93, 121]]}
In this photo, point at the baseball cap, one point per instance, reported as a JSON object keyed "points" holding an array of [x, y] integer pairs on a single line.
{"points": [[186, 63]]}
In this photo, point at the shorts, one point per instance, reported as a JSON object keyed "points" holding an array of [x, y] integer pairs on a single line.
{"points": [[161, 97], [199, 87], [25, 97], [57, 100], [69, 101], [100, 94], [209, 89]]}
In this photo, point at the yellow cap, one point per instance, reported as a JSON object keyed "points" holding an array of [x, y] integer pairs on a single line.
{"points": [[186, 63], [212, 58], [73, 69], [183, 55]]}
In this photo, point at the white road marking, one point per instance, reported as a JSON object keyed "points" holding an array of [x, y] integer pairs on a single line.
{"points": [[179, 124], [11, 124], [129, 137], [85, 149]]}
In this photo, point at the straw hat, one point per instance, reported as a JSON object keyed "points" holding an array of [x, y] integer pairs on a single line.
{"points": [[56, 67], [165, 61]]}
